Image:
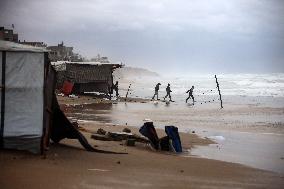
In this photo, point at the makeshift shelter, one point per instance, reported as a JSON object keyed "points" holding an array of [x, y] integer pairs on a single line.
{"points": [[86, 76], [27, 86], [30, 114]]}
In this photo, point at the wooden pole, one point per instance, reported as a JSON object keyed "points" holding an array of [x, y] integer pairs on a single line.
{"points": [[219, 91], [127, 92]]}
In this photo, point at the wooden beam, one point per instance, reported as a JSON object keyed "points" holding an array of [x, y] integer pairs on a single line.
{"points": [[220, 98]]}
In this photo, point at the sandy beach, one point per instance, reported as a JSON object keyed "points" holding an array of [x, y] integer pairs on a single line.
{"points": [[68, 165], [81, 79]]}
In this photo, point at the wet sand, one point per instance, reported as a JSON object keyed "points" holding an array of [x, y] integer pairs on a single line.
{"points": [[251, 132], [68, 165]]}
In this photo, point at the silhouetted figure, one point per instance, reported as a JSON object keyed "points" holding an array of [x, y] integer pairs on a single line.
{"points": [[168, 90], [190, 95], [110, 91], [115, 87], [156, 91]]}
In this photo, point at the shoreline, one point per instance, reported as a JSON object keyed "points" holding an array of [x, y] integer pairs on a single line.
{"points": [[69, 165], [242, 128]]}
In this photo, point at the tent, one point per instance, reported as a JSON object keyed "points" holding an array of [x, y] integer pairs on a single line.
{"points": [[27, 86]]}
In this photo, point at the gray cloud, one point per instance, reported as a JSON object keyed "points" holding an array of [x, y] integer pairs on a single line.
{"points": [[194, 35]]}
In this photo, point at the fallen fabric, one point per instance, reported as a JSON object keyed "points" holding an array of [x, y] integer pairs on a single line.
{"points": [[63, 128], [173, 135], [148, 130]]}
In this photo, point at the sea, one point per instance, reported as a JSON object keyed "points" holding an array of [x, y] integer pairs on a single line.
{"points": [[264, 86]]}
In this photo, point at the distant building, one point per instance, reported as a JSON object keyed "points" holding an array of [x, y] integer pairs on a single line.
{"points": [[8, 35], [86, 76], [76, 57], [100, 59], [60, 52]]}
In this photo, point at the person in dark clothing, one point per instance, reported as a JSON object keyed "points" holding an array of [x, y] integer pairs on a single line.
{"points": [[115, 87], [156, 91], [190, 95], [110, 91], [168, 90]]}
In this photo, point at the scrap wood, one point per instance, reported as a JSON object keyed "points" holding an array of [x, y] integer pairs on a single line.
{"points": [[101, 137], [125, 136], [119, 136]]}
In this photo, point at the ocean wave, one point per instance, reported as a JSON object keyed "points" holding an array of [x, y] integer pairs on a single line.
{"points": [[230, 84]]}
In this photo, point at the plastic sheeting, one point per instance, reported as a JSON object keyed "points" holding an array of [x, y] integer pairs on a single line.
{"points": [[23, 118], [67, 87]]}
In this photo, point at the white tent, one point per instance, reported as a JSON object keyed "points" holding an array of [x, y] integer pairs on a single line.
{"points": [[27, 86]]}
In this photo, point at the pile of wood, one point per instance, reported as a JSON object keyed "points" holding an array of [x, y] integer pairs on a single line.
{"points": [[126, 135]]}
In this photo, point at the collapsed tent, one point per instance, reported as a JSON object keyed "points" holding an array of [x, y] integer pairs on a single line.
{"points": [[29, 114]]}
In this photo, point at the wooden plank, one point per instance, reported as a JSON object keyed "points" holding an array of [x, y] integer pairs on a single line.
{"points": [[220, 97]]}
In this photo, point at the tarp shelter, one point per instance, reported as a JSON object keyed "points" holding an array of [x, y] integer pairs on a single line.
{"points": [[86, 76], [27, 87]]}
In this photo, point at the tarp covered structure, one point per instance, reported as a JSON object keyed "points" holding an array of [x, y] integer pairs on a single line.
{"points": [[27, 86], [86, 76]]}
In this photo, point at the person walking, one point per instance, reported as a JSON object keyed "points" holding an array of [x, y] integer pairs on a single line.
{"points": [[156, 91], [168, 90], [190, 94], [115, 87]]}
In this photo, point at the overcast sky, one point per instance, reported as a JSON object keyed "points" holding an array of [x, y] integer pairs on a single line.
{"points": [[175, 36]]}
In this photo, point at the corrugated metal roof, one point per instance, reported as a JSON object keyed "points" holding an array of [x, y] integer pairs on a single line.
{"points": [[87, 63], [11, 46], [93, 63]]}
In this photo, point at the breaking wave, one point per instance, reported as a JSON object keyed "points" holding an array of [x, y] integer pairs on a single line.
{"points": [[230, 84]]}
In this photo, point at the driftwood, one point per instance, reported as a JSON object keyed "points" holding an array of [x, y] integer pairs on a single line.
{"points": [[101, 137], [119, 136]]}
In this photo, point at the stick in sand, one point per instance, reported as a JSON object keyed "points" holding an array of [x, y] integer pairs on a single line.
{"points": [[219, 91], [127, 92]]}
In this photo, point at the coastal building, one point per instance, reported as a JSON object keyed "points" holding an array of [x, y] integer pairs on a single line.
{"points": [[8, 35], [63, 53], [86, 76], [60, 52]]}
